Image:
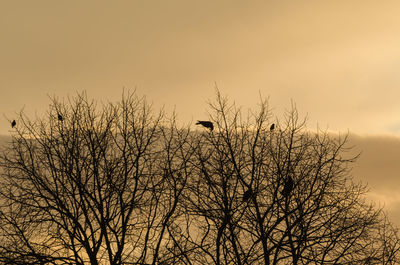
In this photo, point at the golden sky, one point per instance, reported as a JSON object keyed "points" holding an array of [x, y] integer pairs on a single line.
{"points": [[378, 166], [339, 61]]}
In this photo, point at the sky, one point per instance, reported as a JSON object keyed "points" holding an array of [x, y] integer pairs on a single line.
{"points": [[378, 167], [339, 61]]}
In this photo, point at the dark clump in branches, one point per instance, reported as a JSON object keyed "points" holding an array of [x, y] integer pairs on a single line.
{"points": [[120, 184], [247, 195], [288, 187]]}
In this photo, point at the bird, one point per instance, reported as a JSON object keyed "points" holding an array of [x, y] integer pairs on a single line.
{"points": [[207, 124], [13, 123], [247, 195], [60, 117], [288, 187], [272, 127]]}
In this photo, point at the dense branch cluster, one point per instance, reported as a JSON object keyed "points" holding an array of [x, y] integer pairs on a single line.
{"points": [[120, 184]]}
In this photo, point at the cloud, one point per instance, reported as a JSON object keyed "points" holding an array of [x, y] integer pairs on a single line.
{"points": [[379, 167], [390, 202], [378, 164]]}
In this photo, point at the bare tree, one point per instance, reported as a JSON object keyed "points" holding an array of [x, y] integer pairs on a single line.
{"points": [[117, 184], [97, 186], [282, 196]]}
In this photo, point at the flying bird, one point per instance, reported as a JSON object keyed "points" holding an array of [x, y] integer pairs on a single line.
{"points": [[272, 127], [60, 117], [207, 124], [288, 187], [13, 123]]}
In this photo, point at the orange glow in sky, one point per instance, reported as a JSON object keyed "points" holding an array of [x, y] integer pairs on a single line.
{"points": [[338, 60]]}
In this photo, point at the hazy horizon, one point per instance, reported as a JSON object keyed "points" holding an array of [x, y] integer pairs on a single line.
{"points": [[379, 172]]}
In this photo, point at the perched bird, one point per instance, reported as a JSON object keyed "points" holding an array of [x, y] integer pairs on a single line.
{"points": [[272, 127], [13, 123], [247, 195], [60, 118], [207, 124], [288, 187]]}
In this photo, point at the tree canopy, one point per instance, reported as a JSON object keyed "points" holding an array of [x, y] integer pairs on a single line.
{"points": [[119, 183]]}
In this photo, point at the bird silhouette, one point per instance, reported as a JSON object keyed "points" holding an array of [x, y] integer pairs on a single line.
{"points": [[60, 117], [272, 127], [13, 123], [247, 195], [288, 187], [207, 124]]}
